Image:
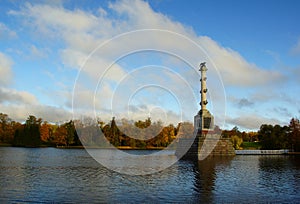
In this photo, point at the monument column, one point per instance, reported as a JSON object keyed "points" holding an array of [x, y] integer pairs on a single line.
{"points": [[203, 90], [204, 120], [205, 141]]}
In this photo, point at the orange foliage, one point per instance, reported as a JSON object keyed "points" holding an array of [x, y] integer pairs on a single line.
{"points": [[60, 136], [45, 131]]}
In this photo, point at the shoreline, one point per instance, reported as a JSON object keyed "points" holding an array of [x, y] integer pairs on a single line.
{"points": [[86, 147], [120, 148], [238, 152], [266, 152]]}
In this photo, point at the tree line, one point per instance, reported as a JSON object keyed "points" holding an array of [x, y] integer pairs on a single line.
{"points": [[268, 136], [35, 132], [126, 133]]}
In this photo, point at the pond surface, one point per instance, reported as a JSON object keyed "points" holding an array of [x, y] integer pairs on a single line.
{"points": [[73, 176]]}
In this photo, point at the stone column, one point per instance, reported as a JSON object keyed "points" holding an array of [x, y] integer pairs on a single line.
{"points": [[203, 90]]}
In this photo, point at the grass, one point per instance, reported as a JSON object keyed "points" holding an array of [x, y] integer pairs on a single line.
{"points": [[251, 145]]}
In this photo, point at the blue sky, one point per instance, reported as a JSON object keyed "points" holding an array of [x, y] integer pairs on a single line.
{"points": [[52, 56]]}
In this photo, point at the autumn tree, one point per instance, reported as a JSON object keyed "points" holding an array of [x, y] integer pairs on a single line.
{"points": [[229, 133], [143, 124], [45, 131], [60, 136], [167, 135], [253, 136]]}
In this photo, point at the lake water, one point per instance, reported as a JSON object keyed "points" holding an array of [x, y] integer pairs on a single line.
{"points": [[72, 176]]}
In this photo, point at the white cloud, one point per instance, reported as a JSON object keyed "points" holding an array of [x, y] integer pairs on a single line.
{"points": [[140, 15], [16, 97], [83, 31], [94, 66], [5, 69], [6, 33], [20, 104], [234, 69], [251, 121], [58, 17], [156, 113], [47, 113]]}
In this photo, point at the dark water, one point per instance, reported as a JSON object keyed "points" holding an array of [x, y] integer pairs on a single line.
{"points": [[49, 175]]}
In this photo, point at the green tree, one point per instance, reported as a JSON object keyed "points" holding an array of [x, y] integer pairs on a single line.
{"points": [[70, 136], [294, 135], [273, 137], [114, 133], [29, 134], [236, 141]]}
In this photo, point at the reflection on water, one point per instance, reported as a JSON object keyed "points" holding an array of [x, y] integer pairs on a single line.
{"points": [[134, 162], [71, 175], [205, 176]]}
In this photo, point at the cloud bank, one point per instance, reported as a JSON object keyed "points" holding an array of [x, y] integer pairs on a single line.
{"points": [[79, 32]]}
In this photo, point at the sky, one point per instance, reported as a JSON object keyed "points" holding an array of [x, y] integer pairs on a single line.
{"points": [[136, 59]]}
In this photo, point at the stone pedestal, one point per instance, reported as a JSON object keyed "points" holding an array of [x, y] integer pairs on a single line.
{"points": [[213, 145], [203, 146]]}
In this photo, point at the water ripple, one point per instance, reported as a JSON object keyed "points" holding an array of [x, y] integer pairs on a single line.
{"points": [[50, 175]]}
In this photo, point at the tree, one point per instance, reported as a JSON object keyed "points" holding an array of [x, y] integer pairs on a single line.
{"points": [[253, 136], [236, 141], [168, 135], [72, 136], [45, 131], [6, 129], [70, 139], [143, 124], [245, 136], [273, 137], [60, 136], [114, 133], [19, 139], [32, 131], [4, 119], [229, 133], [294, 134], [29, 134]]}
